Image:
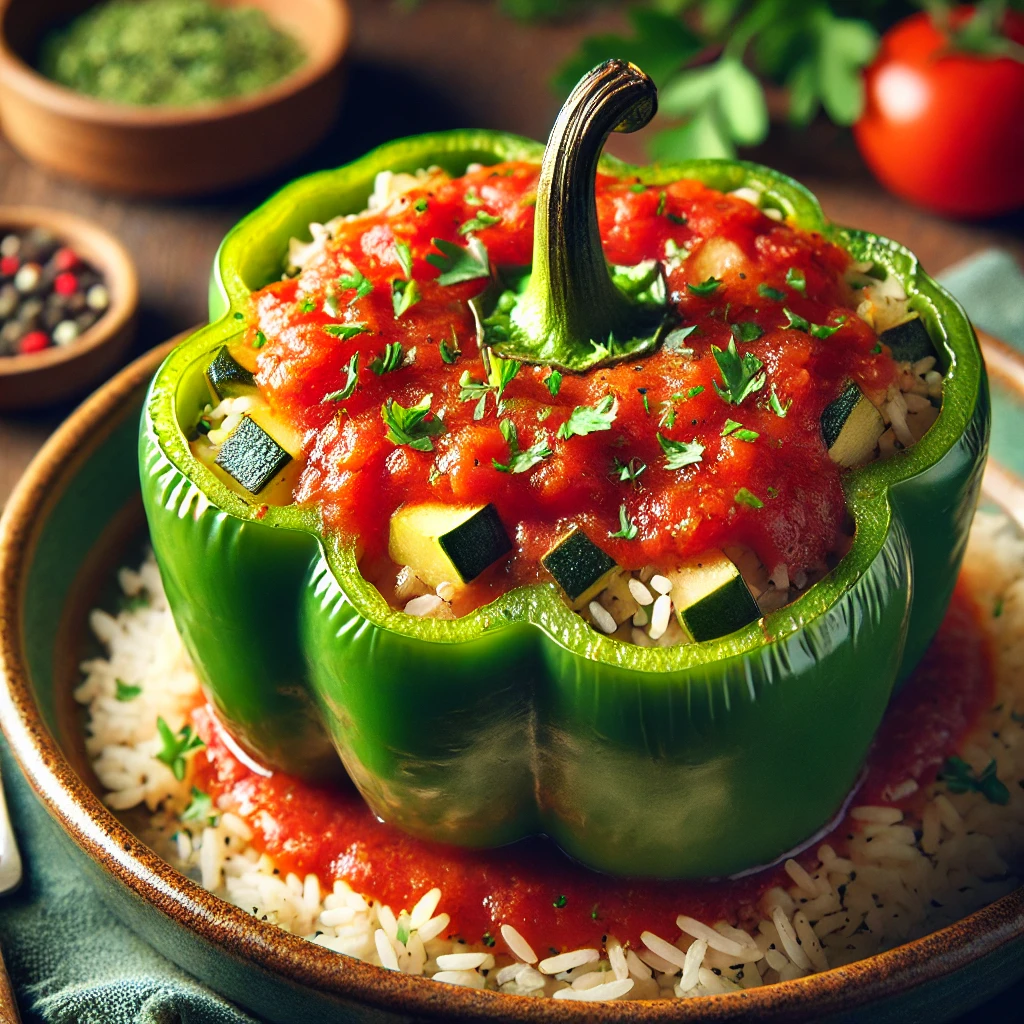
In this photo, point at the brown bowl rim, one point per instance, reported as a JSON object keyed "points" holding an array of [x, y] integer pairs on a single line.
{"points": [[114, 263], [21, 77], [98, 832]]}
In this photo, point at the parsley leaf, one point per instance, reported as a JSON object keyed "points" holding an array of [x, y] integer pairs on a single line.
{"points": [[501, 375], [421, 205], [796, 280], [585, 419], [694, 391], [737, 430], [176, 746], [345, 332], [481, 220], [390, 359], [357, 281], [404, 257], [260, 340], [740, 377], [766, 291], [404, 295], [824, 331], [521, 461], [628, 471], [778, 408], [553, 382], [708, 287], [745, 497], [126, 691], [200, 809], [960, 778], [307, 305], [627, 529], [662, 200], [350, 382], [680, 453], [449, 353], [674, 340], [667, 417], [746, 330], [471, 198], [410, 426], [459, 264]]}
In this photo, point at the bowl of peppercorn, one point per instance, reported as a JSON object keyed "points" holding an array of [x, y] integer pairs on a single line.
{"points": [[170, 97], [68, 297]]}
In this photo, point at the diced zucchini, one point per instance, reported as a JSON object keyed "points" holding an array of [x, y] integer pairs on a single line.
{"points": [[710, 597], [908, 341], [227, 377], [579, 567], [851, 427], [251, 456], [445, 543]]}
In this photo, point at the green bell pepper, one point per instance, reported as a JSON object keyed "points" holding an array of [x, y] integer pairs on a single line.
{"points": [[688, 761]]}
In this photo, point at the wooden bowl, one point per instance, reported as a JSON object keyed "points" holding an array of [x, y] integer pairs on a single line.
{"points": [[66, 371], [65, 529], [170, 151]]}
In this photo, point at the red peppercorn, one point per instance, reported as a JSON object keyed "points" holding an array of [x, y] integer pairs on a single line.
{"points": [[65, 259], [9, 265], [65, 284], [34, 341]]}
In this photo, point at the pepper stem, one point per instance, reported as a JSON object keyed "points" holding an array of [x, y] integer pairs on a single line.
{"points": [[571, 313]]}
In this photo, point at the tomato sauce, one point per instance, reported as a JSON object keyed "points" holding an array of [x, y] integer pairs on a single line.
{"points": [[359, 478], [554, 902]]}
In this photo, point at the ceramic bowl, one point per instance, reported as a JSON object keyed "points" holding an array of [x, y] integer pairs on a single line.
{"points": [[62, 372], [170, 151], [65, 528]]}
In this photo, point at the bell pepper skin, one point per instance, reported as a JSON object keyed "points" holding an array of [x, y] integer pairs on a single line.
{"points": [[693, 761]]}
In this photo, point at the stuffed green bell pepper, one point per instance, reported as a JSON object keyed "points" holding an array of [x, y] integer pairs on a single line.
{"points": [[556, 495]]}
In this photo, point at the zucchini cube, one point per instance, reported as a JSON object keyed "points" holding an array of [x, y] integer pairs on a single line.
{"points": [[251, 456], [227, 377], [579, 567], [710, 597], [851, 427], [908, 341]]}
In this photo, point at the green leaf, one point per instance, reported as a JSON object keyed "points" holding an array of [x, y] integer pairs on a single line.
{"points": [[521, 461], [350, 382], [345, 332], [357, 281], [421, 205], [404, 257], [126, 691], [307, 305], [802, 84], [667, 417], [746, 435], [961, 778], [553, 382], [679, 454], [748, 498], [627, 529], [390, 359], [825, 331], [675, 340], [694, 391], [585, 419], [766, 291], [409, 426], [778, 408], [703, 137], [200, 809], [742, 104], [746, 331], [845, 47], [260, 340], [471, 198], [176, 746], [796, 280], [708, 287], [449, 353], [404, 295], [796, 321], [690, 92], [740, 376], [480, 221], [628, 471], [459, 264]]}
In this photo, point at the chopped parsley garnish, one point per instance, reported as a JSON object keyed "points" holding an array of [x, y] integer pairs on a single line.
{"points": [[260, 340], [410, 426], [637, 187], [520, 461], [766, 291], [471, 198], [778, 408], [737, 430], [480, 221], [553, 382], [694, 391], [645, 400], [307, 305], [796, 321], [345, 332], [662, 200], [997, 610], [200, 809], [679, 454], [708, 287], [175, 746], [126, 691], [421, 205], [345, 391], [331, 305], [746, 331], [449, 353], [434, 475], [667, 417], [877, 349], [674, 340], [627, 529], [404, 257], [355, 280], [559, 902], [628, 470], [677, 218], [390, 359], [748, 498], [796, 280], [740, 376], [239, 316], [824, 331], [959, 777], [404, 295], [585, 419], [459, 264], [501, 374]]}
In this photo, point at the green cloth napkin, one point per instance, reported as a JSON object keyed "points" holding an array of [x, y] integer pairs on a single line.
{"points": [[73, 962]]}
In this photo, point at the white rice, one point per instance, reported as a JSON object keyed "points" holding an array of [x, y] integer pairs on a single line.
{"points": [[903, 877]]}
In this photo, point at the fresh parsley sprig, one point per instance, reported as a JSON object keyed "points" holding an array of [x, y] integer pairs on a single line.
{"points": [[345, 332], [390, 359], [586, 419], [679, 454], [502, 373], [628, 471], [741, 376], [200, 809], [410, 426], [404, 295], [351, 378], [175, 747], [480, 221], [355, 281], [627, 528], [459, 264], [521, 460]]}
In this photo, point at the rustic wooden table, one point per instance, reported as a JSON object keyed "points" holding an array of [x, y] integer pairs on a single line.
{"points": [[443, 64]]}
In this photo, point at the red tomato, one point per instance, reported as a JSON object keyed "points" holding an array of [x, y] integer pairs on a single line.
{"points": [[942, 128]]}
